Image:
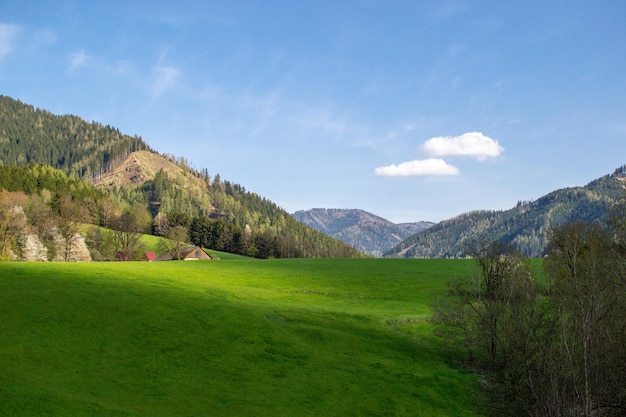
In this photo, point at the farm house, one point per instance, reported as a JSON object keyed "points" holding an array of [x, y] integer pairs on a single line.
{"points": [[192, 253]]}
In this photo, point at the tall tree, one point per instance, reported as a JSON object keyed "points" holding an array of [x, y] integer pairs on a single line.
{"points": [[10, 220], [72, 214], [129, 227], [177, 238], [589, 301], [495, 315], [560, 353], [502, 276]]}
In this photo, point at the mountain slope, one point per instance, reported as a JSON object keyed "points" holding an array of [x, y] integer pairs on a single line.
{"points": [[87, 150], [129, 174], [363, 230], [167, 186], [525, 225], [137, 168]]}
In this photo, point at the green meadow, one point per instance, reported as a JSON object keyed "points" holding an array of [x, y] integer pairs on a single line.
{"points": [[235, 337]]}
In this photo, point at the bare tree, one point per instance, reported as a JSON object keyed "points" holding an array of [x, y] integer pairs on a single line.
{"points": [[109, 212], [587, 296], [72, 215], [175, 241], [560, 352], [502, 275], [42, 218], [495, 315], [12, 220], [161, 224], [129, 227], [12, 224]]}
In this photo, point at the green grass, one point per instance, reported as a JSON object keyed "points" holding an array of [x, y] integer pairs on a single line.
{"points": [[306, 337], [151, 243]]}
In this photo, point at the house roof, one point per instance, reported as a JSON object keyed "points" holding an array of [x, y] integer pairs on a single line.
{"points": [[189, 253]]}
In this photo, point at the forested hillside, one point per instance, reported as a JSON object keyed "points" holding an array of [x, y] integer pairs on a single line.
{"points": [[525, 226], [138, 190], [87, 150]]}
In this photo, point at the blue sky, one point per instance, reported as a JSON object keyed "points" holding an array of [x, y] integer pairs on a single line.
{"points": [[411, 110]]}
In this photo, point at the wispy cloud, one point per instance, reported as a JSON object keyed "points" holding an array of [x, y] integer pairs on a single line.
{"points": [[473, 144], [325, 121], [78, 59], [8, 34], [430, 166], [163, 79]]}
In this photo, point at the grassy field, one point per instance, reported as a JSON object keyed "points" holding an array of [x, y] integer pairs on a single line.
{"points": [[235, 337]]}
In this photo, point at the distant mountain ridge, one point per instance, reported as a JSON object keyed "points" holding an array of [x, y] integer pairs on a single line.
{"points": [[525, 226], [365, 231]]}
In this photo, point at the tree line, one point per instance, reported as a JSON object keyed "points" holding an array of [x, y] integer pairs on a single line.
{"points": [[525, 226], [551, 343], [42, 213], [86, 150]]}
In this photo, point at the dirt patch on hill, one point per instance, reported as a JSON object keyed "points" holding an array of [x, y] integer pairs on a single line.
{"points": [[137, 168]]}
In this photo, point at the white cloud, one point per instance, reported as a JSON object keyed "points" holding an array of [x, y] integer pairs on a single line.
{"points": [[8, 34], [473, 144], [419, 167]]}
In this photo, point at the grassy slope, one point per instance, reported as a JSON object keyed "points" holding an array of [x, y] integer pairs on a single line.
{"points": [[313, 337]]}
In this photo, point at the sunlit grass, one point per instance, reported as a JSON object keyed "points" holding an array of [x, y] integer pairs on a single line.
{"points": [[308, 337]]}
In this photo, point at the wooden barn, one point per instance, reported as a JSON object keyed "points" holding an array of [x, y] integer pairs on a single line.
{"points": [[192, 253]]}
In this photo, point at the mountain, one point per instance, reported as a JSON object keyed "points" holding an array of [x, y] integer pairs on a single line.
{"points": [[86, 150], [139, 167], [127, 173], [415, 227], [365, 231], [169, 187], [526, 225]]}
